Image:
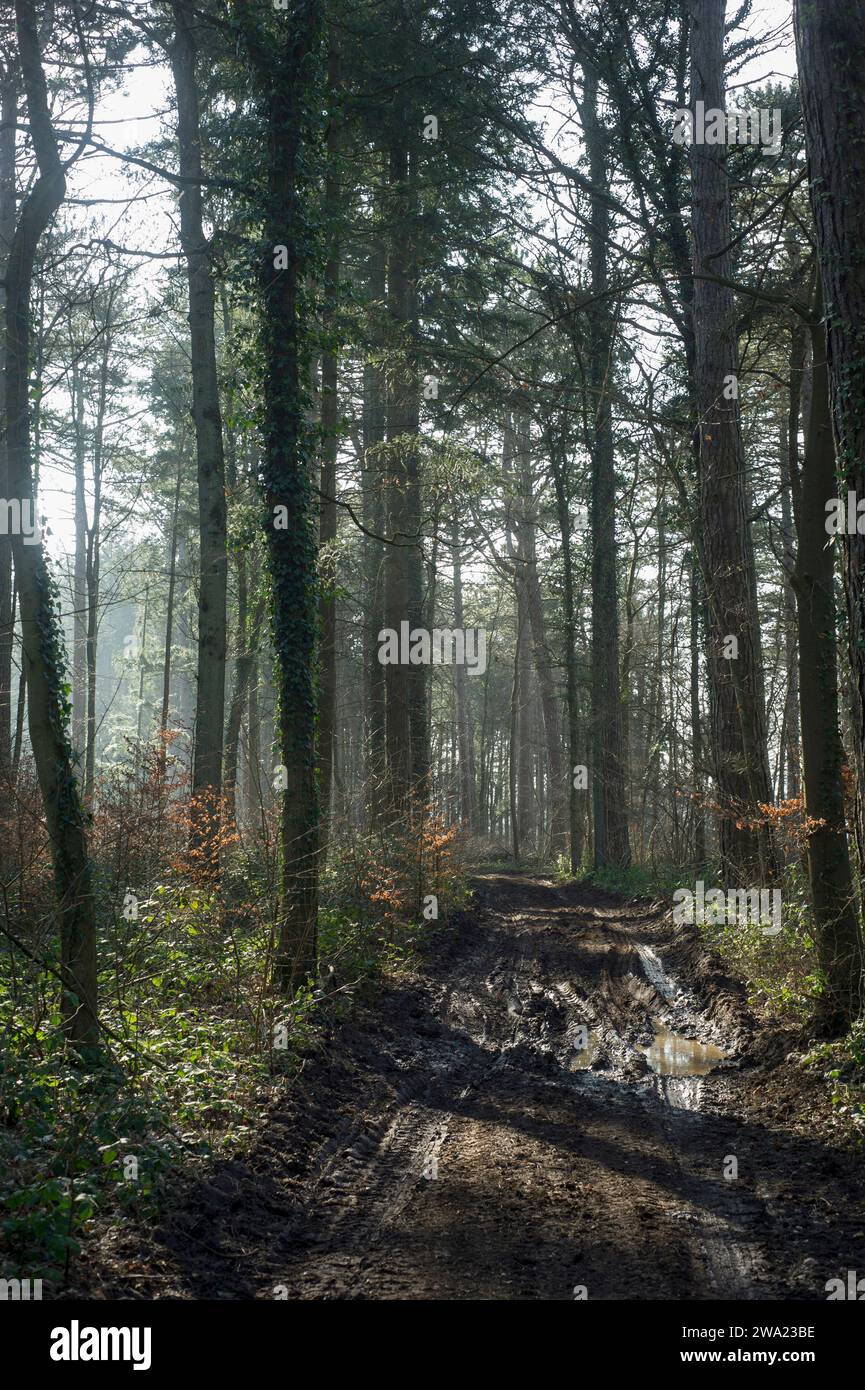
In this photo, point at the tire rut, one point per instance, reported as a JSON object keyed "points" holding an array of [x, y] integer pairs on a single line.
{"points": [[491, 1129]]}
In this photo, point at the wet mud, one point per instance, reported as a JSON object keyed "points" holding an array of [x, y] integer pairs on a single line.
{"points": [[561, 1101]]}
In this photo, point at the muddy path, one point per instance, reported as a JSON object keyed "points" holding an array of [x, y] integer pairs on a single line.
{"points": [[562, 1101]]}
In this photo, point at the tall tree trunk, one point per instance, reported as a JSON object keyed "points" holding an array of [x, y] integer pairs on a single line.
{"points": [[213, 555], [405, 684], [658, 730], [41, 635], [830, 46], [20, 708], [739, 745], [789, 751], [184, 693], [252, 785], [169, 617], [521, 788], [287, 76], [142, 666], [8, 115], [695, 607], [513, 749], [92, 563], [373, 471], [329, 447], [575, 809], [526, 801], [527, 577], [465, 732], [836, 924], [609, 775], [92, 569], [79, 579], [248, 636]]}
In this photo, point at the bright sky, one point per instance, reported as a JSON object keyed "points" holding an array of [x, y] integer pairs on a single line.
{"points": [[124, 119], [766, 16]]}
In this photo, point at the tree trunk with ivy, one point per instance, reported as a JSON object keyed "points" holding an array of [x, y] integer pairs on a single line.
{"points": [[48, 705], [287, 66]]}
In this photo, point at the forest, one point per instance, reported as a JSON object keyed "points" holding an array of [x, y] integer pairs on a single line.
{"points": [[432, 651]]}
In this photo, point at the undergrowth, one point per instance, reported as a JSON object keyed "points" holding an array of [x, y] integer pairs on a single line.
{"points": [[195, 1038]]}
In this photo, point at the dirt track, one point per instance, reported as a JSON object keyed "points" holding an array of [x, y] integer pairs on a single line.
{"points": [[455, 1141]]}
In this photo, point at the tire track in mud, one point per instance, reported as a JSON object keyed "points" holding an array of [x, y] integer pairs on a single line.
{"points": [[450, 1180], [459, 1142]]}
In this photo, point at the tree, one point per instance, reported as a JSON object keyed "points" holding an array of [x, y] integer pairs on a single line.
{"points": [[329, 451], [9, 91], [833, 900], [830, 47], [286, 62], [48, 708], [210, 456], [608, 769], [738, 713]]}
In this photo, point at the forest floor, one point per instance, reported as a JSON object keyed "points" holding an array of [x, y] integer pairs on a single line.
{"points": [[453, 1140]]}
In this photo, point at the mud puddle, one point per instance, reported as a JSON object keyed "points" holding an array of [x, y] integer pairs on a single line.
{"points": [[673, 1055], [674, 1051]]}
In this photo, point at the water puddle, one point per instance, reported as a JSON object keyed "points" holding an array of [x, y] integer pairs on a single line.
{"points": [[673, 1055]]}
